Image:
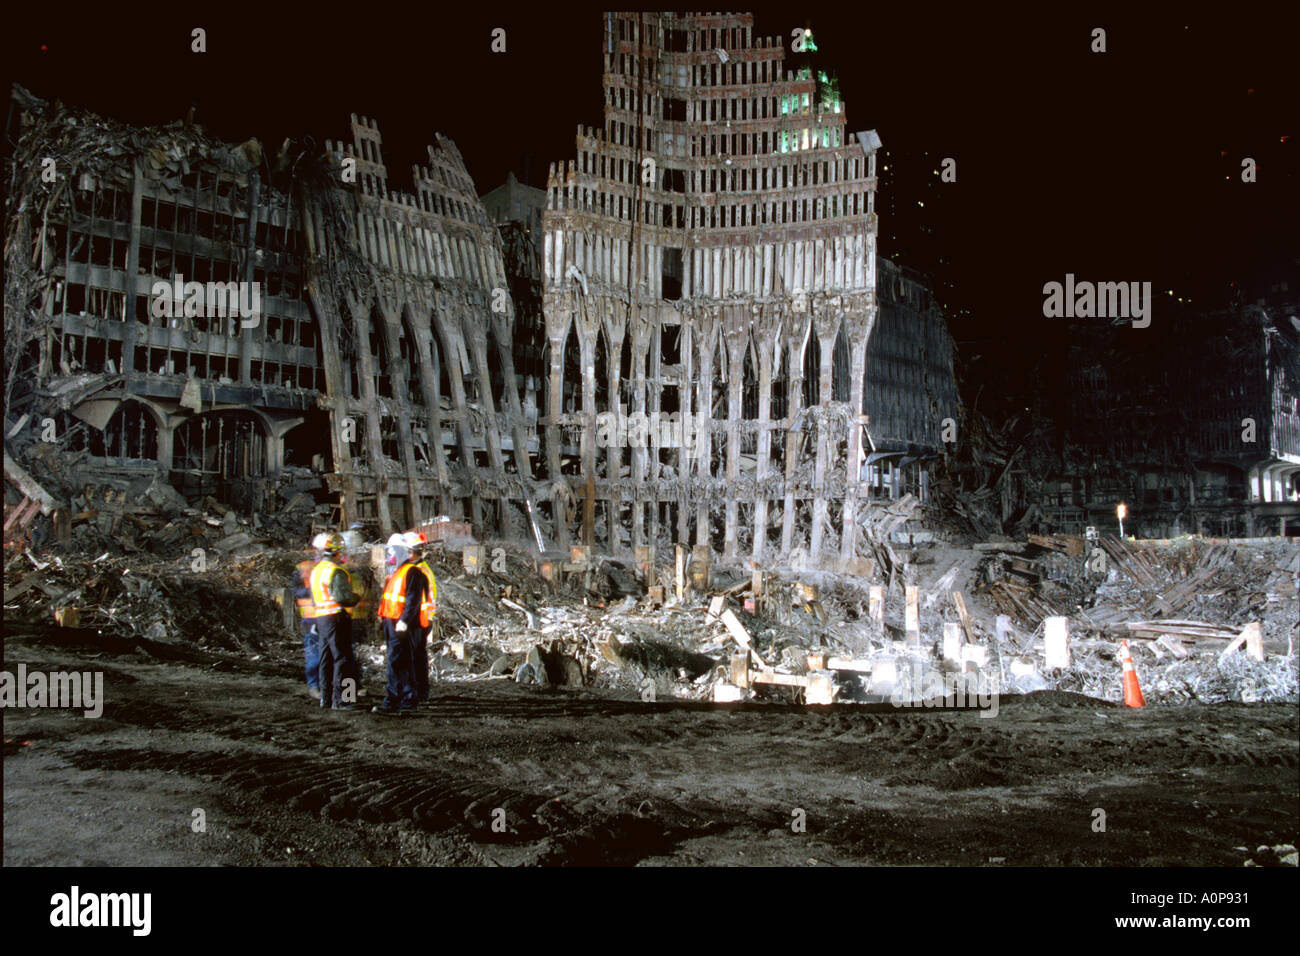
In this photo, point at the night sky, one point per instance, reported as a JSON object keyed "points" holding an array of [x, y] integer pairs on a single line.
{"points": [[1122, 166]]}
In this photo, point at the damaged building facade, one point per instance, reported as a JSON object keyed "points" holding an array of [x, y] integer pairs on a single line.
{"points": [[372, 362], [686, 339], [709, 262]]}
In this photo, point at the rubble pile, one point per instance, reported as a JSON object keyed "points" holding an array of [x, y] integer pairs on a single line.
{"points": [[690, 628], [1186, 605], [1191, 588], [1216, 581], [133, 509], [230, 609]]}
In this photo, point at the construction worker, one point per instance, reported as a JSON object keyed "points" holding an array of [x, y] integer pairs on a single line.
{"points": [[301, 587], [406, 611], [362, 614], [332, 594], [421, 648]]}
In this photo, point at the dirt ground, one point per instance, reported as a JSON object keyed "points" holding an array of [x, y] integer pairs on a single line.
{"points": [[594, 778]]}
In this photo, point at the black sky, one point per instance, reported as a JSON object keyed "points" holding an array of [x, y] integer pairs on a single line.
{"points": [[1111, 166]]}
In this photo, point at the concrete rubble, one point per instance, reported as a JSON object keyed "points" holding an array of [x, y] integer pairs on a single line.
{"points": [[708, 630]]}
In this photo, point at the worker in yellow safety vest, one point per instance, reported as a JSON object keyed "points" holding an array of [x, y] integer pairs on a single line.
{"points": [[406, 611], [332, 594]]}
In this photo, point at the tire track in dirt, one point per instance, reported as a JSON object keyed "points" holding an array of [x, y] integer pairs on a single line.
{"points": [[582, 826]]}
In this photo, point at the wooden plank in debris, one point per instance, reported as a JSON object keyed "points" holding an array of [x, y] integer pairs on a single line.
{"points": [[1183, 591], [1172, 644], [820, 688], [766, 675], [739, 634], [28, 485], [67, 617], [1069, 544], [876, 605], [1186, 630], [1254, 636], [1239, 640], [18, 427], [1010, 547], [1026, 567], [24, 585], [52, 591], [17, 514], [959, 602], [912, 615], [740, 669], [1127, 561]]}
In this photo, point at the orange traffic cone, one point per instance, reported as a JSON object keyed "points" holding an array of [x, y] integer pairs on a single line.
{"points": [[1132, 689]]}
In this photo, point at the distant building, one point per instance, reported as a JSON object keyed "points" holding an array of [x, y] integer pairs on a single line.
{"points": [[1193, 423], [513, 201], [910, 388]]}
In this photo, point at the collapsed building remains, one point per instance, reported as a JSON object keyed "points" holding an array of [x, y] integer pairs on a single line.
{"points": [[698, 347], [710, 268], [221, 322]]}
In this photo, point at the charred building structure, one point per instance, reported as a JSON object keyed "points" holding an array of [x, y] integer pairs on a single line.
{"points": [[692, 343], [375, 351]]}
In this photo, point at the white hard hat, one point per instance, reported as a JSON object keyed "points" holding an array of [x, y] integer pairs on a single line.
{"points": [[318, 542], [395, 540], [412, 540]]}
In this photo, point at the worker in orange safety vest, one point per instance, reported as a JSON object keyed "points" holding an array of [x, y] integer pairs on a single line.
{"points": [[406, 611]]}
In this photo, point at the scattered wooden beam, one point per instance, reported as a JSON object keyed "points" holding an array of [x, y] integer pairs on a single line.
{"points": [[912, 615], [29, 485], [1069, 544], [1252, 636], [739, 634], [1185, 630], [1173, 645], [765, 675], [959, 602]]}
